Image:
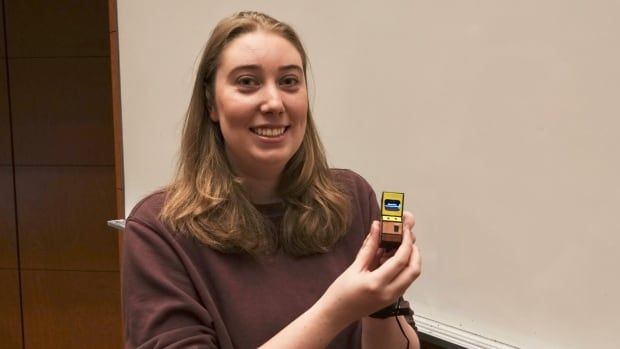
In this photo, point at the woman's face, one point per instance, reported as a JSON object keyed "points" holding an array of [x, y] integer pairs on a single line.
{"points": [[261, 102]]}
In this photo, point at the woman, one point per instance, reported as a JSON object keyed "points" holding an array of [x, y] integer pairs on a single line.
{"points": [[257, 242]]}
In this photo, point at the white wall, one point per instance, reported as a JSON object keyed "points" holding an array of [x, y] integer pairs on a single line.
{"points": [[501, 118]]}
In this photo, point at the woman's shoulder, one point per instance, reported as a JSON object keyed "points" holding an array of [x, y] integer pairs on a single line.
{"points": [[148, 209], [145, 224], [351, 179]]}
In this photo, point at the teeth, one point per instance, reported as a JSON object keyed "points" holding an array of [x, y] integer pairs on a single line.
{"points": [[269, 132]]}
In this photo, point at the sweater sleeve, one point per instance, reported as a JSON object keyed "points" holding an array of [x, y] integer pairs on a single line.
{"points": [[161, 308]]}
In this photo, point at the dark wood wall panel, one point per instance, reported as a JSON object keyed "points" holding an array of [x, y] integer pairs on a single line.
{"points": [[62, 214], [69, 309], [8, 249], [57, 157], [10, 318], [37, 28], [10, 312], [2, 48], [5, 125], [116, 110], [62, 112], [8, 246]]}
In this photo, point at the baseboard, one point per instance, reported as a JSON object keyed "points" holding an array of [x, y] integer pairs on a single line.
{"points": [[453, 335]]}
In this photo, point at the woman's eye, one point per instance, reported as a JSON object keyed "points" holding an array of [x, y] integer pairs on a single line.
{"points": [[247, 82], [289, 81]]}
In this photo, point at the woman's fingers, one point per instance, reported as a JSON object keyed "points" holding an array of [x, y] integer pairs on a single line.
{"points": [[409, 223], [371, 281], [380, 257], [369, 257], [394, 265], [368, 251], [402, 268], [402, 281]]}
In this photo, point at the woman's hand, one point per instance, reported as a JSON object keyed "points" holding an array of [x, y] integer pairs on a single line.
{"points": [[369, 284], [372, 281]]}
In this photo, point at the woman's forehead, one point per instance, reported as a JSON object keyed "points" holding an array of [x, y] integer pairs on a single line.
{"points": [[259, 48]]}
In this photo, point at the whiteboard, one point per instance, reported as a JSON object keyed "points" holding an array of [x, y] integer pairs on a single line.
{"points": [[503, 117]]}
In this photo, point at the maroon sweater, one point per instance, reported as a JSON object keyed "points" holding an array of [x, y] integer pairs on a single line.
{"points": [[179, 293]]}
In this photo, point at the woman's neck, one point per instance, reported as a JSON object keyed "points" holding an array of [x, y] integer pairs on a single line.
{"points": [[261, 190]]}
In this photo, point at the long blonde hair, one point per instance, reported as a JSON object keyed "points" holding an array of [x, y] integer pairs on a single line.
{"points": [[207, 200]]}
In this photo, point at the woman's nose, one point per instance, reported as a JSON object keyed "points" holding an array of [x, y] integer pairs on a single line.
{"points": [[272, 102]]}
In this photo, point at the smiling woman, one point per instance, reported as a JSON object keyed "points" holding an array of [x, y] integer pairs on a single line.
{"points": [[261, 106], [251, 82], [221, 257]]}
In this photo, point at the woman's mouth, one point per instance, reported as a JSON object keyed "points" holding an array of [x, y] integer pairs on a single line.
{"points": [[269, 131]]}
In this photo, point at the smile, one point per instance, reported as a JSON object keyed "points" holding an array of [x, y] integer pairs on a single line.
{"points": [[269, 132]]}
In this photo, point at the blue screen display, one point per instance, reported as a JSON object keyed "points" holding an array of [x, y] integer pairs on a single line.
{"points": [[392, 205]]}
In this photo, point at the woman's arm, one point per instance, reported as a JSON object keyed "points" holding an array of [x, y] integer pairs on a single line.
{"points": [[160, 305], [385, 333], [365, 287]]}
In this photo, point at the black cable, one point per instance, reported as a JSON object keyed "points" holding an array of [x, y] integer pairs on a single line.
{"points": [[400, 326]]}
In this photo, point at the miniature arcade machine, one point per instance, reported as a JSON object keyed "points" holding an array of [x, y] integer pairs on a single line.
{"points": [[391, 219]]}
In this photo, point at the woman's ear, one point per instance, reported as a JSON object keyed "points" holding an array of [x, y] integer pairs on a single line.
{"points": [[213, 115]]}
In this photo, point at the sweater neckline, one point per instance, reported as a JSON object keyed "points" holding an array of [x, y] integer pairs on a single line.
{"points": [[275, 209]]}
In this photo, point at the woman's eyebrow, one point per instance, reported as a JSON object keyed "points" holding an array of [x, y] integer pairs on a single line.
{"points": [[259, 67], [293, 67], [245, 67]]}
